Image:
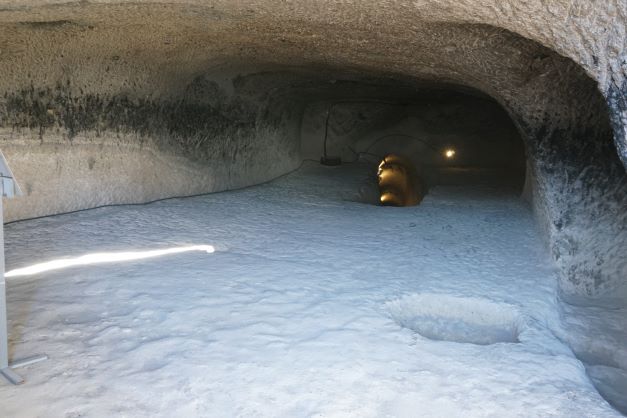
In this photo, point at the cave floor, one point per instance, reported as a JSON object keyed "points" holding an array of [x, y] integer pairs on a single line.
{"points": [[312, 305]]}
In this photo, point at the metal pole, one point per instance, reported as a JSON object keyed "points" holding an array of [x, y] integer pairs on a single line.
{"points": [[8, 188], [5, 369], [4, 345]]}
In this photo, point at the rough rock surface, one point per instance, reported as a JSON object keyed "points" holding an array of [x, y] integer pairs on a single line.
{"points": [[195, 96], [381, 312]]}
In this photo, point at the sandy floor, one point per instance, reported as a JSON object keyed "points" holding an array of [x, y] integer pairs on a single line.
{"points": [[312, 305]]}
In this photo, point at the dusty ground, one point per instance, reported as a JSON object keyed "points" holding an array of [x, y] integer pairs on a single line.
{"points": [[313, 305]]}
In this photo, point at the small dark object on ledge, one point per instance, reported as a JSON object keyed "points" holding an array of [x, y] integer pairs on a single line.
{"points": [[331, 161]]}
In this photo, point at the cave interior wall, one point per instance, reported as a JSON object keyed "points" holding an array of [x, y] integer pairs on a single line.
{"points": [[123, 103]]}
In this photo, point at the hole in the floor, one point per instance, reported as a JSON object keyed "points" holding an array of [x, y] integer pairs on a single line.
{"points": [[463, 320]]}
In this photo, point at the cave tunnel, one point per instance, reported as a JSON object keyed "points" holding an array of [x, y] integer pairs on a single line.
{"points": [[128, 103], [449, 135]]}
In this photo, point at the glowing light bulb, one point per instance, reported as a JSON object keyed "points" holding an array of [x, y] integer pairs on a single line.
{"points": [[449, 153]]}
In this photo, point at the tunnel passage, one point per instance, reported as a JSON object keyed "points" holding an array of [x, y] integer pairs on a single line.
{"points": [[447, 134], [399, 184], [129, 102]]}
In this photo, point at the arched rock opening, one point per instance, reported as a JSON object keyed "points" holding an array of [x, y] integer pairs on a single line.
{"points": [[135, 102], [451, 134]]}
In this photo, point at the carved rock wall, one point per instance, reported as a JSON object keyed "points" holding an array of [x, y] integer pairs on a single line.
{"points": [[195, 96]]}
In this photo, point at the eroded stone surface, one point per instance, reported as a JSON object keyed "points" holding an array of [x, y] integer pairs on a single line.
{"points": [[208, 95]]}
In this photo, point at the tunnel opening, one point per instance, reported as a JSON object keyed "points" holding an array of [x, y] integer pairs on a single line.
{"points": [[179, 100], [399, 184], [446, 136]]}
